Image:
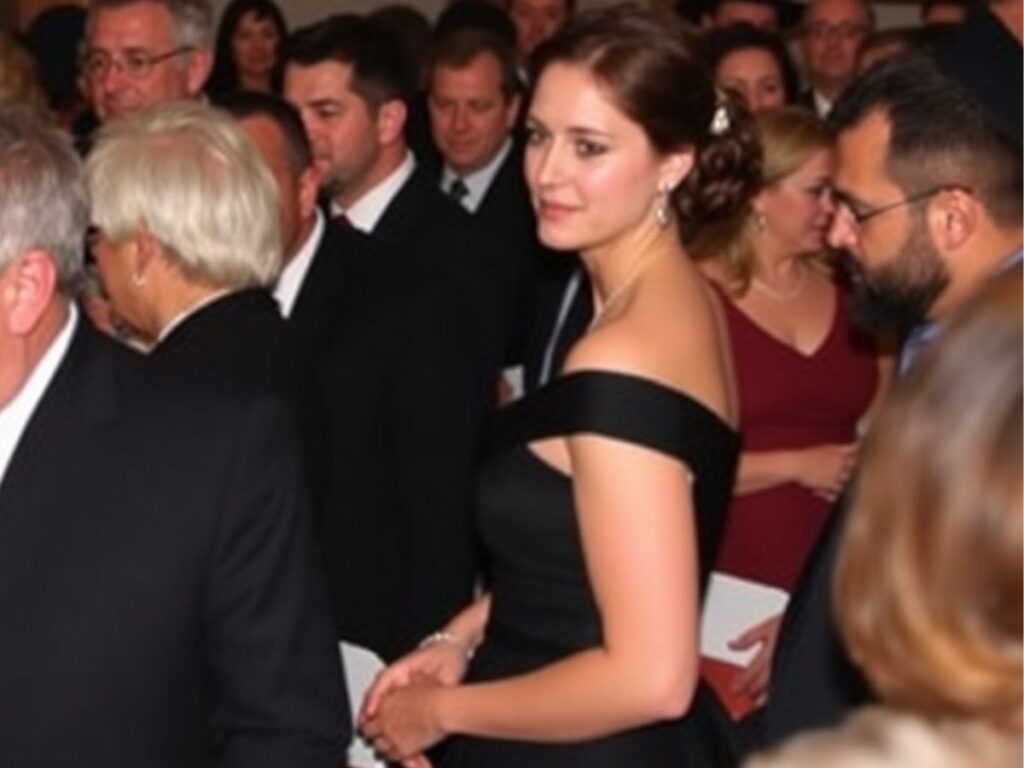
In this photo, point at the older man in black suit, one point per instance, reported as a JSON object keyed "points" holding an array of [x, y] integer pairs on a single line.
{"points": [[157, 582]]}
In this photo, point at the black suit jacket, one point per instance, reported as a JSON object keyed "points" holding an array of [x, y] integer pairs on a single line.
{"points": [[160, 606], [813, 682], [242, 338], [405, 403], [984, 57], [488, 279]]}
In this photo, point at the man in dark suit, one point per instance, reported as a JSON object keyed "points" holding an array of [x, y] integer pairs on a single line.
{"points": [[403, 414], [928, 205], [347, 78], [474, 101], [197, 292], [160, 599]]}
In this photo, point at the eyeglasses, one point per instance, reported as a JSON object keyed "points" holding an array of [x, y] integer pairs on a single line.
{"points": [[845, 31], [134, 62], [860, 213]]}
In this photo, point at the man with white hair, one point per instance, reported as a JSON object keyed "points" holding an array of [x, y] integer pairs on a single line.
{"points": [[188, 243], [159, 599], [144, 52]]}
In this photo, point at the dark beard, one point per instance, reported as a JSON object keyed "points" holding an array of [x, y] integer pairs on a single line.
{"points": [[898, 297]]}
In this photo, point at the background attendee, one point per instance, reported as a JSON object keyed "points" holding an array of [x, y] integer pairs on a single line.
{"points": [[584, 644], [805, 380], [19, 84], [928, 205], [248, 54], [158, 572], [831, 34], [754, 65], [412, 29], [54, 37], [348, 80], [763, 14], [882, 44], [474, 100], [537, 21], [145, 52], [944, 11]]}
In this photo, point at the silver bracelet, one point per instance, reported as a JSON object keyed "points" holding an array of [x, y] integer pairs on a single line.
{"points": [[444, 636]]}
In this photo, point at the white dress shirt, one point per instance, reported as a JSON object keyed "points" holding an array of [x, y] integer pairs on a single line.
{"points": [[822, 106], [293, 276], [479, 181], [365, 212], [14, 416]]}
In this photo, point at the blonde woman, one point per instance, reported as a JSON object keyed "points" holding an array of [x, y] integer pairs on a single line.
{"points": [[806, 378]]}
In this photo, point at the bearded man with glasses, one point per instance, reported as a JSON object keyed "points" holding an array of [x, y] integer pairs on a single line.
{"points": [[928, 198], [144, 52]]}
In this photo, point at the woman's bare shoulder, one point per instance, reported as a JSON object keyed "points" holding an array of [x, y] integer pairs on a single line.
{"points": [[670, 351]]}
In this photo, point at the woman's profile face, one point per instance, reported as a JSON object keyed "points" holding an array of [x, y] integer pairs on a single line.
{"points": [[254, 44], [592, 173], [753, 75], [796, 208]]}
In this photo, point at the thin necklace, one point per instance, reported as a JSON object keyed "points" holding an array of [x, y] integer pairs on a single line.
{"points": [[637, 269], [777, 295]]}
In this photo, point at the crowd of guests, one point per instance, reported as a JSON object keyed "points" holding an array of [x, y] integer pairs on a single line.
{"points": [[519, 353]]}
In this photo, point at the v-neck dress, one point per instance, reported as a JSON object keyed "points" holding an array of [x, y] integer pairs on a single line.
{"points": [[543, 607], [789, 400]]}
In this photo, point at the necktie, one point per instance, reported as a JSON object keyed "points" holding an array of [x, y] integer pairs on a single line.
{"points": [[458, 190]]}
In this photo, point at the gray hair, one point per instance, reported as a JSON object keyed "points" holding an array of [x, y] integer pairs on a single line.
{"points": [[43, 202], [193, 19], [188, 175]]}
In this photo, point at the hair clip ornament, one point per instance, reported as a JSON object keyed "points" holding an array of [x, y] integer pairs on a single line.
{"points": [[720, 122]]}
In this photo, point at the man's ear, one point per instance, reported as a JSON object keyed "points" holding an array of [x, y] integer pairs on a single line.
{"points": [[29, 285], [953, 218], [200, 64], [391, 116], [308, 185]]}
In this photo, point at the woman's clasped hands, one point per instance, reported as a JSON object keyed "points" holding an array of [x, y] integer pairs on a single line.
{"points": [[400, 713]]}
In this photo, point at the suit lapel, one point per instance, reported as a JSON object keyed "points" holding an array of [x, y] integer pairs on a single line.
{"points": [[80, 400]]}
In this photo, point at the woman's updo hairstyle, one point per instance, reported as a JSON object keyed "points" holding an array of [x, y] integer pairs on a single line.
{"points": [[652, 70]]}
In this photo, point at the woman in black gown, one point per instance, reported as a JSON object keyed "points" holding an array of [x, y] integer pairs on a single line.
{"points": [[601, 499]]}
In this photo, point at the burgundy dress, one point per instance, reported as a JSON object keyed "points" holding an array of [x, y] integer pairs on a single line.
{"points": [[790, 400]]}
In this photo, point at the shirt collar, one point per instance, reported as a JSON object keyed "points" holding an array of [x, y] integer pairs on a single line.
{"points": [[365, 212], [821, 105], [14, 416], [293, 276], [480, 180], [927, 332]]}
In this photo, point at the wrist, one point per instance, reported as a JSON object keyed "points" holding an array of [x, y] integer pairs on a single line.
{"points": [[449, 638], [446, 709]]}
